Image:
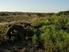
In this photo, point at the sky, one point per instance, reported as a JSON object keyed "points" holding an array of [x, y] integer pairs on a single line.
{"points": [[34, 5]]}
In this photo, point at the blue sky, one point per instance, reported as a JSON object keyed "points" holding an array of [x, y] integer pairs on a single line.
{"points": [[34, 5]]}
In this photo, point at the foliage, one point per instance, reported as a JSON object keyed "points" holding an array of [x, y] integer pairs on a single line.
{"points": [[52, 30]]}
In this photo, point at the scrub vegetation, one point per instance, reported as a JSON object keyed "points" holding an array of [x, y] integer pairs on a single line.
{"points": [[49, 31]]}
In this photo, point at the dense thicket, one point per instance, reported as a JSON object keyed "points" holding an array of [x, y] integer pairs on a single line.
{"points": [[51, 29]]}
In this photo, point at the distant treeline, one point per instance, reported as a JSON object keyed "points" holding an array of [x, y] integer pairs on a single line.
{"points": [[31, 13], [14, 16]]}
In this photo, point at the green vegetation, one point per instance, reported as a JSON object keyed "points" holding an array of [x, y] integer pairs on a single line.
{"points": [[52, 29]]}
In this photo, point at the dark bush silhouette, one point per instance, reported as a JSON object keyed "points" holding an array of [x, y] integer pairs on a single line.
{"points": [[18, 37]]}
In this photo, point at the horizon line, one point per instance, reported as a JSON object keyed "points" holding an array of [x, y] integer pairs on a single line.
{"points": [[35, 11]]}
